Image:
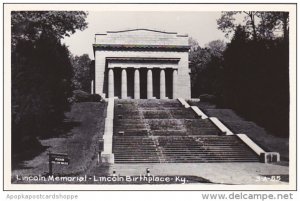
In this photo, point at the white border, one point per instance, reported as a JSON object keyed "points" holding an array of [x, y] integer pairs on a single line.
{"points": [[147, 7]]}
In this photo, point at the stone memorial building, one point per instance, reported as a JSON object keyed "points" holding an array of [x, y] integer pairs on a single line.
{"points": [[141, 64]]}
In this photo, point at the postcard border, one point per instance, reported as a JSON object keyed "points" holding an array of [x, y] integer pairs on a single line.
{"points": [[296, 161]]}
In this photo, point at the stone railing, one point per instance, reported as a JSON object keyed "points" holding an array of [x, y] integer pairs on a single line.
{"points": [[264, 156], [106, 155], [220, 126]]}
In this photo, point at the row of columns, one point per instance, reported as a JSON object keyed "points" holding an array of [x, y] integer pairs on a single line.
{"points": [[137, 84]]}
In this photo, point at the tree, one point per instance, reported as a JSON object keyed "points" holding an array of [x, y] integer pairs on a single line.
{"points": [[198, 62], [257, 24], [216, 47], [206, 68], [256, 80], [194, 45], [81, 68], [274, 22], [31, 25], [41, 74], [227, 25], [251, 22], [226, 22]]}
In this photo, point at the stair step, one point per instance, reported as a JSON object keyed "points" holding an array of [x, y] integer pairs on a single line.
{"points": [[182, 137]]}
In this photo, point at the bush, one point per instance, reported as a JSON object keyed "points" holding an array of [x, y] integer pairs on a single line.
{"points": [[95, 98], [82, 96], [207, 97]]}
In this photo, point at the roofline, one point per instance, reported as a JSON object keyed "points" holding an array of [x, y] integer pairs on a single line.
{"points": [[128, 30], [142, 59], [140, 47]]}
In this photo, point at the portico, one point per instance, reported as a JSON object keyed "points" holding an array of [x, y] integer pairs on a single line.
{"points": [[124, 80], [141, 64]]}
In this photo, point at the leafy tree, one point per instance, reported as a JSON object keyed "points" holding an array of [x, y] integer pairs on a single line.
{"points": [[194, 45], [206, 68], [81, 68], [257, 24], [30, 25], [249, 76], [273, 22], [256, 81], [41, 74], [227, 22], [216, 47], [198, 63], [250, 22]]}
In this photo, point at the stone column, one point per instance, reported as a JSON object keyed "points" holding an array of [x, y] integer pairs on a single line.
{"points": [[162, 84], [174, 83], [124, 84], [92, 87], [149, 84], [136, 84], [111, 92]]}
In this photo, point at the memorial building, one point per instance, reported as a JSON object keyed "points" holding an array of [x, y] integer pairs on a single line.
{"points": [[141, 64]]}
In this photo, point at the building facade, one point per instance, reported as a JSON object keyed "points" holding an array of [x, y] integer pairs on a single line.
{"points": [[141, 64]]}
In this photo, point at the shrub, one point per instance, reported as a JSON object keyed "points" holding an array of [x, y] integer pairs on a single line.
{"points": [[207, 97], [82, 96], [95, 98]]}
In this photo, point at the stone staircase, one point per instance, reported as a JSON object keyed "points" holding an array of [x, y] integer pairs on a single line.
{"points": [[163, 131], [135, 149], [205, 149]]}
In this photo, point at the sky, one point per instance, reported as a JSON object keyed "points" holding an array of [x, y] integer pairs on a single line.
{"points": [[201, 26]]}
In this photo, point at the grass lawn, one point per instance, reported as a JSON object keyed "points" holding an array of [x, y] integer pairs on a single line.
{"points": [[79, 142]]}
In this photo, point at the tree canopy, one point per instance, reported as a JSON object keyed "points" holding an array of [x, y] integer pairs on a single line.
{"points": [[258, 24], [206, 66], [31, 25], [81, 67], [41, 74], [250, 74]]}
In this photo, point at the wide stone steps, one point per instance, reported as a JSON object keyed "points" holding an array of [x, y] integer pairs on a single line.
{"points": [[181, 150], [163, 131], [206, 161]]}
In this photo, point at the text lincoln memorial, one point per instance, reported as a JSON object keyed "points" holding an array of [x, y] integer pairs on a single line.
{"points": [[141, 64]]}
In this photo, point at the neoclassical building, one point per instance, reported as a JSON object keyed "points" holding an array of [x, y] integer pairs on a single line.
{"points": [[141, 64]]}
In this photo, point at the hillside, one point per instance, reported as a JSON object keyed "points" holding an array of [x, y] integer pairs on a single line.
{"points": [[86, 126], [238, 125]]}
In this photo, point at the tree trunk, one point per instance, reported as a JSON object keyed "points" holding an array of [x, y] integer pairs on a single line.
{"points": [[285, 26], [251, 14]]}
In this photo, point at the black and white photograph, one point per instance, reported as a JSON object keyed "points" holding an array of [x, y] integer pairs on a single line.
{"points": [[150, 97]]}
